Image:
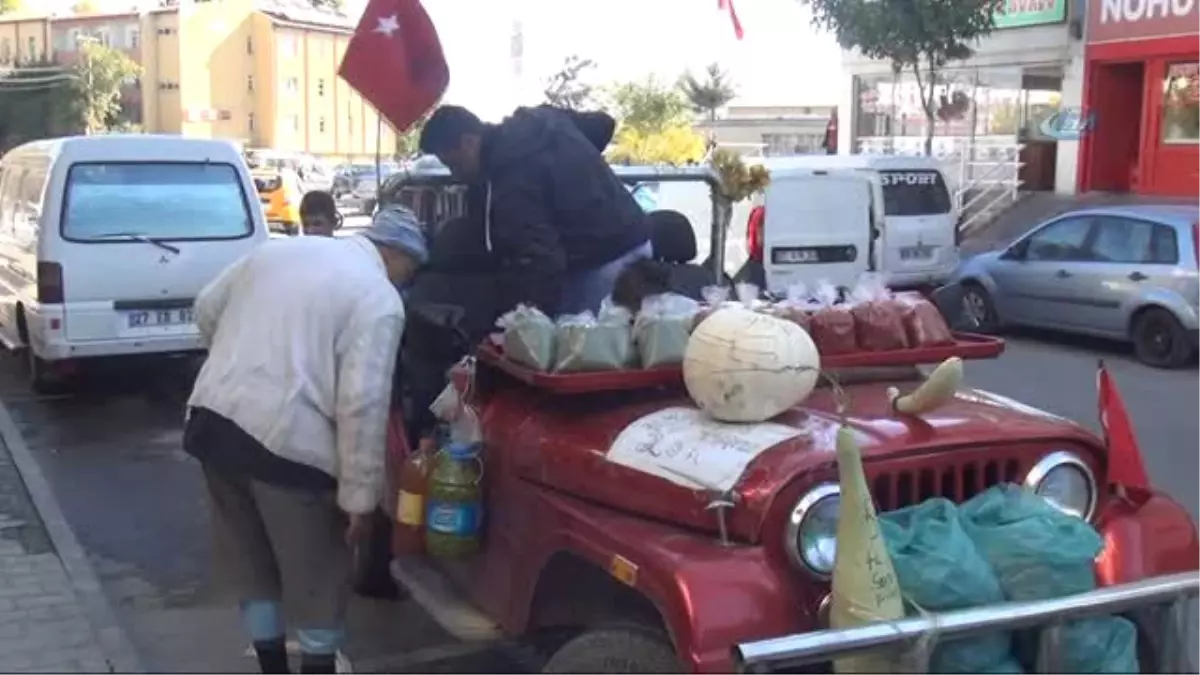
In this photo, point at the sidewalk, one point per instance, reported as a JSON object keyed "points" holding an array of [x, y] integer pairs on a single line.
{"points": [[53, 615]]}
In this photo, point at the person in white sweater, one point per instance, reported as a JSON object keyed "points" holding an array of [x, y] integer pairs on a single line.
{"points": [[289, 416]]}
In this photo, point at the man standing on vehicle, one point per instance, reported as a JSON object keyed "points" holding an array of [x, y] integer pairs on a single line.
{"points": [[559, 222], [289, 418]]}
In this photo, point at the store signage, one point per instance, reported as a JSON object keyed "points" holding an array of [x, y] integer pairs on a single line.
{"points": [[890, 178], [1068, 125], [1021, 13], [1122, 20]]}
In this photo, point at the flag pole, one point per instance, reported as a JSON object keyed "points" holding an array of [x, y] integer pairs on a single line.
{"points": [[378, 158]]}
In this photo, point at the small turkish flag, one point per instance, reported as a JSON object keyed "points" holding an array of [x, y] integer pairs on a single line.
{"points": [[1124, 457], [733, 17], [395, 61]]}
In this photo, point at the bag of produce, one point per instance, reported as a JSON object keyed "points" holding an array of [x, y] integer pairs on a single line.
{"points": [[714, 298], [796, 306], [939, 569], [528, 337], [662, 329], [1039, 552], [832, 324], [583, 342], [878, 321], [923, 323]]}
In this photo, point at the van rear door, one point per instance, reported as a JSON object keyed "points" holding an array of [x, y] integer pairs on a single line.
{"points": [[139, 240], [817, 226], [919, 228]]}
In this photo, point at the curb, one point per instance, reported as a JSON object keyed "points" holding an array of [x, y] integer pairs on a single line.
{"points": [[114, 642]]}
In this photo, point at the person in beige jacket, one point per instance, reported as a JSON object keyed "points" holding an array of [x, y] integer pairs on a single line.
{"points": [[288, 418]]}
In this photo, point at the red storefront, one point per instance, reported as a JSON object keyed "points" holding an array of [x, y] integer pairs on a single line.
{"points": [[1140, 88]]}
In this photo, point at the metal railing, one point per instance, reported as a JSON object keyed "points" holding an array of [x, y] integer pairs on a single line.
{"points": [[1172, 591]]}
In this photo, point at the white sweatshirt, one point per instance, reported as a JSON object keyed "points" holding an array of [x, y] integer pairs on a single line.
{"points": [[303, 335]]}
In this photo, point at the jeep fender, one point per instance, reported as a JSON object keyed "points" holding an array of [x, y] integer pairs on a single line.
{"points": [[1145, 535], [709, 596]]}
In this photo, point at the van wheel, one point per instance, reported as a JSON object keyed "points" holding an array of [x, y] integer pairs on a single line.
{"points": [[1159, 340], [615, 649]]}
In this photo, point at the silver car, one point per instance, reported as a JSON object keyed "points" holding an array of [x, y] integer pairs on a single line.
{"points": [[1127, 273]]}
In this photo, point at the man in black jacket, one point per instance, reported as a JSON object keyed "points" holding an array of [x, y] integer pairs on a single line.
{"points": [[558, 221]]}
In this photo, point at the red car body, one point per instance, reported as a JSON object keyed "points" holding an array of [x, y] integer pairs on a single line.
{"points": [[572, 539]]}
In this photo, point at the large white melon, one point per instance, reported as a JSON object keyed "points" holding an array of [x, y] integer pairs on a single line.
{"points": [[742, 366]]}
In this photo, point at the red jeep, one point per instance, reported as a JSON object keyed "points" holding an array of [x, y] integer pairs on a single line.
{"points": [[607, 568]]}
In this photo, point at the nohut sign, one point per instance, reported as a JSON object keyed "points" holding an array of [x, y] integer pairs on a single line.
{"points": [[1021, 13], [1125, 20]]}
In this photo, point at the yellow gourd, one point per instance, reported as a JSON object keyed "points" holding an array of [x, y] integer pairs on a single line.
{"points": [[865, 588], [935, 391]]}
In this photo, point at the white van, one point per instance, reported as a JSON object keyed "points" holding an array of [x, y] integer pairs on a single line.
{"points": [[918, 234], [106, 240]]}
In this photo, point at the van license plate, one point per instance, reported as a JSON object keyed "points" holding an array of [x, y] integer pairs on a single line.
{"points": [[917, 252], [807, 255], [152, 318]]}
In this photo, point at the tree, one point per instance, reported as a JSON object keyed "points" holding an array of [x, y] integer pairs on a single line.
{"points": [[675, 145], [84, 7], [35, 103], [564, 89], [100, 73], [709, 95], [7, 6], [647, 106], [408, 143], [921, 36]]}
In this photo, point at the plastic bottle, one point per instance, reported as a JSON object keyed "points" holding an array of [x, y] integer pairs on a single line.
{"points": [[454, 515], [409, 537], [864, 585]]}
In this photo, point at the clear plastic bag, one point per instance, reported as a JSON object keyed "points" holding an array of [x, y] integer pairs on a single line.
{"points": [[662, 329], [528, 337], [583, 342], [797, 306], [714, 298], [878, 320], [923, 322], [832, 324], [747, 296]]}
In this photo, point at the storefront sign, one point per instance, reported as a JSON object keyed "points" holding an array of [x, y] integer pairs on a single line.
{"points": [[1121, 20], [1020, 13], [1067, 125]]}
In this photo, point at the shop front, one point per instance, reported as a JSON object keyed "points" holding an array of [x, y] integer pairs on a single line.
{"points": [[1140, 90]]}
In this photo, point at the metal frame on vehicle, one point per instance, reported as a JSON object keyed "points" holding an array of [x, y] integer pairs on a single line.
{"points": [[1170, 592], [443, 206]]}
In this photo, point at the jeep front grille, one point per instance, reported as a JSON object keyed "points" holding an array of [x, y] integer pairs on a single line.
{"points": [[956, 481]]}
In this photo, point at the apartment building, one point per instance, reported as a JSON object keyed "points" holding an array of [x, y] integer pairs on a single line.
{"points": [[772, 131], [262, 76]]}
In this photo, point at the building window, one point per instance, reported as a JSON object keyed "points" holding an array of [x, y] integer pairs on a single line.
{"points": [[321, 87], [134, 38], [292, 84], [321, 125], [1181, 105], [250, 83], [6, 50], [249, 45], [168, 86], [102, 36], [250, 122], [295, 123]]}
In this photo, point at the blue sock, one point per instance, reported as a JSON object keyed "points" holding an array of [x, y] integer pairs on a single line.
{"points": [[322, 641], [263, 620]]}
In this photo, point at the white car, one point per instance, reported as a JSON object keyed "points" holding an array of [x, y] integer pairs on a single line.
{"points": [[106, 240]]}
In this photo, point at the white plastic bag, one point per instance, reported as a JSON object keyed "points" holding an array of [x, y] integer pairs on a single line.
{"points": [[583, 342], [747, 295], [662, 329], [528, 337]]}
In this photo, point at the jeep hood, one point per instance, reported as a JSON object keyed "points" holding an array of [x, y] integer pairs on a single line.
{"points": [[567, 445]]}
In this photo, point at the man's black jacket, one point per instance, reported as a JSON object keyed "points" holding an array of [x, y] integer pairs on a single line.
{"points": [[549, 202]]}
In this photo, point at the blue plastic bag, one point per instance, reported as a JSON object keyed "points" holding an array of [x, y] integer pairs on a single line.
{"points": [[939, 569], [1039, 552]]}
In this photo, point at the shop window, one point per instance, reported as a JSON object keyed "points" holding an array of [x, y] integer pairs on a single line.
{"points": [[1181, 105]]}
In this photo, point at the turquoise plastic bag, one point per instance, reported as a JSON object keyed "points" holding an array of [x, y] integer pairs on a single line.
{"points": [[1039, 552], [939, 569]]}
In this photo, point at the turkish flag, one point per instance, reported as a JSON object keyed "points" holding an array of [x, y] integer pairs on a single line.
{"points": [[1124, 457], [395, 61], [733, 17]]}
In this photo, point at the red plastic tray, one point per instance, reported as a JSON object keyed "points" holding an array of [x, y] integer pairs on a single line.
{"points": [[966, 346]]}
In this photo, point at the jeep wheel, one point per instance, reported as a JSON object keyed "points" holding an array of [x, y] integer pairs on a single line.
{"points": [[622, 649], [1159, 340]]}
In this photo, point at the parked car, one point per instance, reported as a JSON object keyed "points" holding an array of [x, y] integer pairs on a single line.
{"points": [[364, 194], [1128, 273], [346, 176], [106, 240]]}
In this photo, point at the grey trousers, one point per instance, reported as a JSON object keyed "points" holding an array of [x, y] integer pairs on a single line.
{"points": [[282, 549]]}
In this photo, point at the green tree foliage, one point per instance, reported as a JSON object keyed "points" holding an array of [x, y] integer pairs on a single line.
{"points": [[648, 106], [36, 101], [676, 145], [99, 75], [7, 6], [566, 89], [408, 142], [920, 36], [84, 7], [710, 94]]}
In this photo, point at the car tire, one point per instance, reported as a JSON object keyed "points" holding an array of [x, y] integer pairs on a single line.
{"points": [[615, 649], [1159, 340], [978, 309]]}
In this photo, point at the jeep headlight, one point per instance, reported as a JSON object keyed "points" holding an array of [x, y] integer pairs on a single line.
{"points": [[810, 537], [1065, 481]]}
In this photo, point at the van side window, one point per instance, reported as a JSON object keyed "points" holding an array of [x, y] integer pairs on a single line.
{"points": [[10, 181], [914, 193], [28, 213]]}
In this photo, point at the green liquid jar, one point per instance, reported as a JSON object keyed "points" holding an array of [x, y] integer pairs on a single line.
{"points": [[454, 515]]}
